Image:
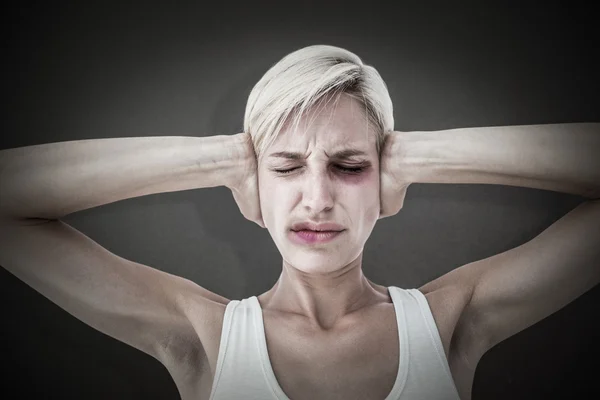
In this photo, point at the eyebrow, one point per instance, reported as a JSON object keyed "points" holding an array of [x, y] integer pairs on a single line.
{"points": [[340, 155]]}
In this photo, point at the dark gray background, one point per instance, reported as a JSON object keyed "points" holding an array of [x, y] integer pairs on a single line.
{"points": [[108, 70]]}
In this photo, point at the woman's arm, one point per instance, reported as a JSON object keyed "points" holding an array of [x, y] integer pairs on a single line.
{"points": [[154, 311], [557, 157], [512, 290], [49, 181]]}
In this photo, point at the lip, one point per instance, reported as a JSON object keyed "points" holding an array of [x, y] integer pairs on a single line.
{"points": [[312, 226], [313, 237]]}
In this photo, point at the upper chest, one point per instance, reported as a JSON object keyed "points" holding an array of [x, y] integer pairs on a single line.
{"points": [[360, 360], [356, 360]]}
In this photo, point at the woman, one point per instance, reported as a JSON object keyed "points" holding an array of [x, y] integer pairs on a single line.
{"points": [[317, 165]]}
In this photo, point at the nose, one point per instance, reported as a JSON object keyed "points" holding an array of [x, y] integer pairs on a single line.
{"points": [[318, 195]]}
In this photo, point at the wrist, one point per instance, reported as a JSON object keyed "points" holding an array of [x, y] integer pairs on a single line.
{"points": [[424, 156], [241, 150]]}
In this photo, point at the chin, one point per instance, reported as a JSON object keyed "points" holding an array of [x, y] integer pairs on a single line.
{"points": [[316, 263]]}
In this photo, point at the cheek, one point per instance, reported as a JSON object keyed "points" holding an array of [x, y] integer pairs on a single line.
{"points": [[370, 195], [270, 198], [367, 184]]}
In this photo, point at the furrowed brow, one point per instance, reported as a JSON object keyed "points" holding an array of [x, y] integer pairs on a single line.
{"points": [[287, 154], [339, 155]]}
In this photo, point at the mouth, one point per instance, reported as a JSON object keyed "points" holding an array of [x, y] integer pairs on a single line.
{"points": [[307, 236], [317, 227]]}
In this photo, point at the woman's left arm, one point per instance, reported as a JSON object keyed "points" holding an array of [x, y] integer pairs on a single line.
{"points": [[557, 157], [513, 290]]}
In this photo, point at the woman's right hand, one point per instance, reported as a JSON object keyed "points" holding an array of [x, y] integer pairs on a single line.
{"points": [[245, 190]]}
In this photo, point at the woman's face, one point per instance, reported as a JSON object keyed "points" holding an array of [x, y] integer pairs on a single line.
{"points": [[316, 187]]}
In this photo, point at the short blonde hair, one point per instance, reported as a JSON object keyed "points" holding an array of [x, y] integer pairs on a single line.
{"points": [[309, 76]]}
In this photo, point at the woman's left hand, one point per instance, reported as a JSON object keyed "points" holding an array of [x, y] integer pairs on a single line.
{"points": [[393, 179]]}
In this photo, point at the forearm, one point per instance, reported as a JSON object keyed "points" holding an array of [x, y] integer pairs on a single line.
{"points": [[52, 180], [558, 157]]}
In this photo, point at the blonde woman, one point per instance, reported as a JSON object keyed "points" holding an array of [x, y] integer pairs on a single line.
{"points": [[317, 165]]}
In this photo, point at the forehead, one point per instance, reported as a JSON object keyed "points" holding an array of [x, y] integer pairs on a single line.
{"points": [[337, 125]]}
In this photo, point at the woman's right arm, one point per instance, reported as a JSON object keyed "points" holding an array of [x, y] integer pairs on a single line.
{"points": [[50, 181], [136, 304]]}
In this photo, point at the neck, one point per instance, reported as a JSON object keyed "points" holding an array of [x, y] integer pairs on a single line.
{"points": [[326, 298]]}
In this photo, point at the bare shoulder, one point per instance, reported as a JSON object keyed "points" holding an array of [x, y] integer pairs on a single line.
{"points": [[192, 355], [448, 299]]}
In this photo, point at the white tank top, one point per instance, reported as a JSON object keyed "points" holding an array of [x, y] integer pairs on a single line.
{"points": [[245, 372]]}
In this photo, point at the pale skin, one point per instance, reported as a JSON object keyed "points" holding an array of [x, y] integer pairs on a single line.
{"points": [[178, 322]]}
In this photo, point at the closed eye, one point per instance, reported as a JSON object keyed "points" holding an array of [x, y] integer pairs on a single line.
{"points": [[348, 170]]}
